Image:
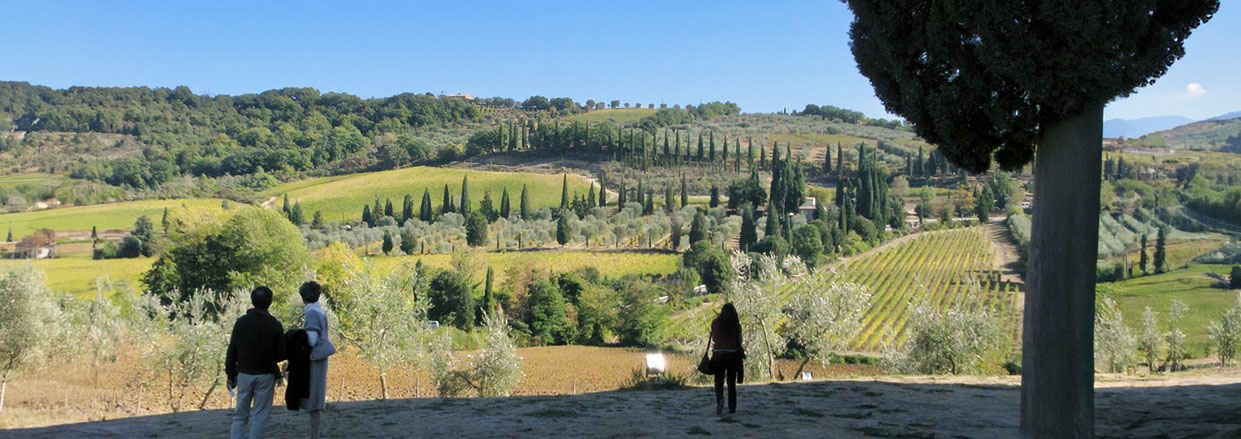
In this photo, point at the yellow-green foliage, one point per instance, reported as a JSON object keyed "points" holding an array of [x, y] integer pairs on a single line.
{"points": [[608, 263], [102, 216], [77, 275], [343, 196], [619, 115]]}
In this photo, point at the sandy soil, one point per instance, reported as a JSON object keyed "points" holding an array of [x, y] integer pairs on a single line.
{"points": [[909, 407]]}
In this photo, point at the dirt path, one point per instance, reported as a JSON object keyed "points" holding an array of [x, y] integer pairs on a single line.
{"points": [[905, 407]]}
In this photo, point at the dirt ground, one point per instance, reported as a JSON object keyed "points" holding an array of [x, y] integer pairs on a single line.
{"points": [[1185, 406]]}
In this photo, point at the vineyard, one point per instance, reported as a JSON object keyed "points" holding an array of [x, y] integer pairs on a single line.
{"points": [[949, 270]]}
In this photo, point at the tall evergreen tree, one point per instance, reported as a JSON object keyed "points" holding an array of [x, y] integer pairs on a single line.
{"points": [[711, 157], [562, 229], [489, 301], [698, 229], [1142, 256], [1161, 253], [505, 207], [388, 244], [366, 214], [389, 210], [486, 207], [772, 226], [603, 193], [164, 221], [407, 208], [466, 206], [684, 192], [525, 203], [425, 213], [715, 197], [446, 205], [564, 193], [669, 199], [296, 216], [674, 231], [700, 151], [590, 196], [649, 207], [724, 152], [749, 231], [622, 196], [286, 208]]}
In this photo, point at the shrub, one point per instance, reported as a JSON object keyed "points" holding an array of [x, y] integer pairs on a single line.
{"points": [[953, 342], [493, 371], [29, 328]]}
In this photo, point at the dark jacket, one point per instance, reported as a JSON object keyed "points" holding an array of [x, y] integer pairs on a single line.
{"points": [[256, 345], [298, 348]]}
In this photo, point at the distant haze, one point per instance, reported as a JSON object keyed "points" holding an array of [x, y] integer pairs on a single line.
{"points": [[1142, 126]]}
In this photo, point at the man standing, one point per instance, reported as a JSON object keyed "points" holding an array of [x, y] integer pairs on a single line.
{"points": [[255, 347]]}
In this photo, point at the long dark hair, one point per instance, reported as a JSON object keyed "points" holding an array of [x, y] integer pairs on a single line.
{"points": [[730, 323]]}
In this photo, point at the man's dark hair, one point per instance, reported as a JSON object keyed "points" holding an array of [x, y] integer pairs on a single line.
{"points": [[261, 297], [310, 291]]}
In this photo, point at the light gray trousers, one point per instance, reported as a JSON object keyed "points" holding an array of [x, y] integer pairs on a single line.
{"points": [[256, 389]]}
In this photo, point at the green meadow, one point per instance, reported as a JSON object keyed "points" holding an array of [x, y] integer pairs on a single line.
{"points": [[1206, 300], [106, 216], [342, 197], [78, 275]]}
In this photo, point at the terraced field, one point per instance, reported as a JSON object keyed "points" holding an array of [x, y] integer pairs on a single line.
{"points": [[342, 197], [949, 269]]}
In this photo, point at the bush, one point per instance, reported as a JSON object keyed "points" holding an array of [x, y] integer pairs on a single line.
{"points": [[953, 342], [29, 328], [493, 371]]}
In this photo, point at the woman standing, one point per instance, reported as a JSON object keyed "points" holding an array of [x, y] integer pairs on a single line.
{"points": [[321, 348], [726, 357]]}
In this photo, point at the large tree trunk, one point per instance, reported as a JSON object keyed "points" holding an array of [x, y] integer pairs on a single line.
{"points": [[1057, 381]]}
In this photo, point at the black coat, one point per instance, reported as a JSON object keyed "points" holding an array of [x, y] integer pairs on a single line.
{"points": [[297, 345]]}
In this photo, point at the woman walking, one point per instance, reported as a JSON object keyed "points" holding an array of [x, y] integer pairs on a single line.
{"points": [[726, 357], [321, 349]]}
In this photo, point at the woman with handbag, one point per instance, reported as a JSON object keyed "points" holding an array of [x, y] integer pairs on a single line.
{"points": [[726, 358], [321, 348]]}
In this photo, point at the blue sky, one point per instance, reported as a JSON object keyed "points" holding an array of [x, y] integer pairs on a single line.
{"points": [[765, 56]]}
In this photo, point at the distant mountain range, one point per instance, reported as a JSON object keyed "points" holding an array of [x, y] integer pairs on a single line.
{"points": [[1132, 128], [1140, 127]]}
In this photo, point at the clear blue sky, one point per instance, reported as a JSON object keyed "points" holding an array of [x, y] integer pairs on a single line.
{"points": [[765, 56]]}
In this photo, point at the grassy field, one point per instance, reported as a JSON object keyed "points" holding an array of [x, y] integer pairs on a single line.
{"points": [[33, 179], [620, 115], [342, 197], [103, 216], [1206, 301], [608, 263], [77, 275]]}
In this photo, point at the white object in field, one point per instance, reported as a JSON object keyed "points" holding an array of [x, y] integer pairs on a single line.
{"points": [[433, 324], [701, 289], [807, 376], [655, 364], [662, 299]]}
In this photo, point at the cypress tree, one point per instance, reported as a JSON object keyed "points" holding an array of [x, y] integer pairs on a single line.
{"points": [[366, 214], [387, 244], [724, 152], [376, 213], [649, 207], [827, 161], [641, 193], [389, 210], [525, 203], [590, 195], [700, 155], [749, 156], [1161, 254], [772, 226], [446, 205], [425, 213], [711, 157], [564, 193], [684, 192], [489, 302], [407, 208], [674, 233], [715, 196], [286, 208], [603, 193], [669, 199], [1142, 256], [466, 207], [762, 158], [698, 228], [296, 216], [749, 232], [504, 203], [562, 229], [622, 197], [667, 150], [164, 221], [840, 161]]}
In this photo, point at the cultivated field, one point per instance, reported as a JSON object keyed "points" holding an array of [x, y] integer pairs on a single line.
{"points": [[342, 197], [78, 275], [109, 216], [620, 115], [1204, 295], [949, 270]]}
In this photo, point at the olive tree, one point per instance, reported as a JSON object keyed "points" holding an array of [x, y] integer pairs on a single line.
{"points": [[1150, 340], [990, 81], [383, 317], [1114, 342], [1174, 337], [823, 320], [1225, 334], [30, 324], [493, 371], [953, 341]]}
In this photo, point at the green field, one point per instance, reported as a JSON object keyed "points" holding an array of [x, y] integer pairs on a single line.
{"points": [[1206, 301], [342, 197], [608, 263], [620, 115], [33, 179], [77, 275], [103, 216]]}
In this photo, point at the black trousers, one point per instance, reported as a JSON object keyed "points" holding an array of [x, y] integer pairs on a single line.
{"points": [[727, 367]]}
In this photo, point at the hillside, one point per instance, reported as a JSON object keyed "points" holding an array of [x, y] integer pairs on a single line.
{"points": [[1142, 126], [1209, 135]]}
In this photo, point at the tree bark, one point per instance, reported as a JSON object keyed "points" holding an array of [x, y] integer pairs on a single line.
{"points": [[1057, 381]]}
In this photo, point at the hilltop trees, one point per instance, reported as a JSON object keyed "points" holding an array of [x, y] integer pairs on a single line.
{"points": [[988, 84]]}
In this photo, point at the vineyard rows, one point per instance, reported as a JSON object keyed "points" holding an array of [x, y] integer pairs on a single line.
{"points": [[948, 270]]}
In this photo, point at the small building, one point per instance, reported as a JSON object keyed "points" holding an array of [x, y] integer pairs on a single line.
{"points": [[461, 96], [809, 209]]}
